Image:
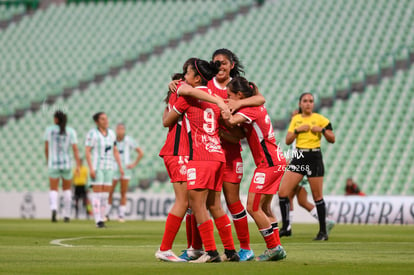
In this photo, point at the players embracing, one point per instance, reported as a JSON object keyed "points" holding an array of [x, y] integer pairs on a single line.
{"points": [[215, 161]]}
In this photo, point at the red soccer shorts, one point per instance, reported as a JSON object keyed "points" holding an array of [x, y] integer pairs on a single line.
{"points": [[267, 180], [233, 170], [205, 175], [176, 167]]}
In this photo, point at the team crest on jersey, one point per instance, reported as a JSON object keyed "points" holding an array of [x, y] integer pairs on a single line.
{"points": [[259, 178], [239, 167]]}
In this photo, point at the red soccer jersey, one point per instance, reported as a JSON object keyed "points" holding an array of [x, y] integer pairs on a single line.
{"points": [[177, 143], [203, 120], [231, 150], [261, 138]]}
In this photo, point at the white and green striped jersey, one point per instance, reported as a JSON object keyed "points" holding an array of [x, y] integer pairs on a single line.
{"points": [[125, 147], [102, 150], [60, 147]]}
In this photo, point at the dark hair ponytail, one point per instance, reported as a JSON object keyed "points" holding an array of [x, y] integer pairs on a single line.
{"points": [[207, 70], [240, 84], [62, 120], [179, 76], [300, 99], [96, 116], [238, 68]]}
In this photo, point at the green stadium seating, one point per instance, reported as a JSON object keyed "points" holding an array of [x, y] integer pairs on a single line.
{"points": [[8, 11], [287, 47], [66, 44]]}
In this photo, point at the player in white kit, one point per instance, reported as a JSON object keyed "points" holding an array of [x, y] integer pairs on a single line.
{"points": [[125, 144], [100, 152], [59, 140]]}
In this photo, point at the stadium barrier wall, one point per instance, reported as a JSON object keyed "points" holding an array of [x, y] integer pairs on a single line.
{"points": [[147, 206]]}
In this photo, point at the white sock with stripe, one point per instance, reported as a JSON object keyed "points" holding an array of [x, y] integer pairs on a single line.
{"points": [[122, 209], [67, 206], [53, 200], [96, 205], [104, 204]]}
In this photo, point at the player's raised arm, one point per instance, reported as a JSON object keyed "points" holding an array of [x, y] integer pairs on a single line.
{"points": [[187, 90], [255, 100]]}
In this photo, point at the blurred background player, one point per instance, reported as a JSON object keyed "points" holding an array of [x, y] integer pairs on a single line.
{"points": [[100, 152], [307, 128], [125, 145], [206, 159], [80, 181], [352, 189], [59, 139], [269, 161]]}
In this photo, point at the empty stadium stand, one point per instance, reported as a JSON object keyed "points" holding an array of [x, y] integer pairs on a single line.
{"points": [[355, 56]]}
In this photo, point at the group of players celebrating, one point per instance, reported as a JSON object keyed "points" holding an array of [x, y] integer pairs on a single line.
{"points": [[210, 108]]}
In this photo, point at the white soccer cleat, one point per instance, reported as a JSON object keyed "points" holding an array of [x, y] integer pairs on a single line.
{"points": [[195, 253], [167, 256], [205, 258], [121, 220]]}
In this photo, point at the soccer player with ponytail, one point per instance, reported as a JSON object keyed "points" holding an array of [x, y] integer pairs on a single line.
{"points": [[175, 154], [206, 158], [59, 139], [270, 164], [100, 152], [230, 66]]}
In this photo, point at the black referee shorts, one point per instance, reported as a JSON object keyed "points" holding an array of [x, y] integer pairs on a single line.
{"points": [[80, 191], [307, 163]]}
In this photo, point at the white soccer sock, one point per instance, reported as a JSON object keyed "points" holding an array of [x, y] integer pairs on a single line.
{"points": [[53, 199], [67, 198], [104, 204], [96, 205], [289, 227], [108, 209], [314, 213], [122, 209]]}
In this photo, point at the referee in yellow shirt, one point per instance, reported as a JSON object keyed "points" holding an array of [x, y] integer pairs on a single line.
{"points": [[307, 128], [80, 179]]}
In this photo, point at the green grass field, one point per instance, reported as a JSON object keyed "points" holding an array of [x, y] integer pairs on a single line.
{"points": [[25, 248]]}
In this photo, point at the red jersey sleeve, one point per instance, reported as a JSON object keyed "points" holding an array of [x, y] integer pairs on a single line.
{"points": [[250, 113], [182, 104]]}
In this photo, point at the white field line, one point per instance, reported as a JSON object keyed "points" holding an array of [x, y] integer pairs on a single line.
{"points": [[62, 242]]}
